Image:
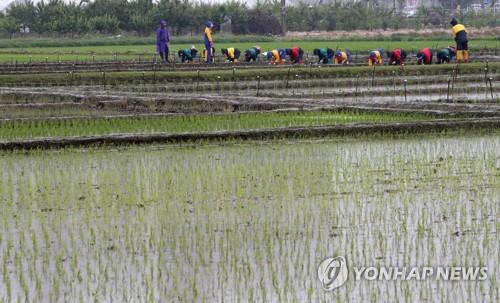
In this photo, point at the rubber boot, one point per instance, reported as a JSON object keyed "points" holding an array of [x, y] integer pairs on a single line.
{"points": [[459, 56], [466, 56]]}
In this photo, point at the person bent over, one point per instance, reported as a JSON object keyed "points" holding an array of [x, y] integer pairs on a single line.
{"points": [[295, 54], [252, 54], [325, 55], [276, 56], [459, 33], [424, 56], [445, 55], [209, 42], [188, 54], [397, 56], [342, 57], [232, 54], [375, 57]]}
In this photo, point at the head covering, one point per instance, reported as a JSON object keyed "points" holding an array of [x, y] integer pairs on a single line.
{"points": [[209, 24], [454, 21], [338, 54], [163, 22]]}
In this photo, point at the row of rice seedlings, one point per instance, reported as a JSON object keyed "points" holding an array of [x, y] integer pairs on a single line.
{"points": [[246, 222], [152, 77], [194, 123]]}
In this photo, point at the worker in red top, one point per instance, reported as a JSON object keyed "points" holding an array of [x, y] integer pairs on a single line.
{"points": [[295, 54], [424, 56], [397, 56]]}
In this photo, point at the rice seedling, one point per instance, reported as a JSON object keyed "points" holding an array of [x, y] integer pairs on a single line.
{"points": [[190, 123], [248, 222]]}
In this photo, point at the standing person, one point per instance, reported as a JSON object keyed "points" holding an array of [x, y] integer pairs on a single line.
{"points": [[375, 57], [162, 40], [232, 54], [209, 42], [295, 54], [424, 56], [459, 33], [342, 57], [325, 55], [252, 54], [397, 56], [445, 55]]}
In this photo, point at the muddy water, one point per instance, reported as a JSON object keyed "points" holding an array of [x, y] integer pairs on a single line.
{"points": [[251, 222]]}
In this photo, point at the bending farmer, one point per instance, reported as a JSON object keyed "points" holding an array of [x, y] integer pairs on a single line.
{"points": [[276, 56], [445, 55], [188, 54], [325, 55], [232, 54], [252, 54], [342, 57], [424, 56], [295, 54], [459, 33], [375, 57], [397, 56]]}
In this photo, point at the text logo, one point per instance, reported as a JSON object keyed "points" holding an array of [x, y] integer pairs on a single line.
{"points": [[332, 273]]}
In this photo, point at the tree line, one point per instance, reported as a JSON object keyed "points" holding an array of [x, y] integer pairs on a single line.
{"points": [[141, 17]]}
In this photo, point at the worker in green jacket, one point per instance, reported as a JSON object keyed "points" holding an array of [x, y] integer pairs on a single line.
{"points": [[188, 54], [325, 55], [445, 55]]}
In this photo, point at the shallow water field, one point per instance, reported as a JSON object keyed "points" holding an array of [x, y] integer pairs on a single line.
{"points": [[249, 222]]}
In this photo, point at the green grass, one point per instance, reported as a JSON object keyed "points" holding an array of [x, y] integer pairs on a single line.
{"points": [[181, 124], [146, 52]]}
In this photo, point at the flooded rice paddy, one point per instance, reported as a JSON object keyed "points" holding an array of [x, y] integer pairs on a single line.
{"points": [[248, 222]]}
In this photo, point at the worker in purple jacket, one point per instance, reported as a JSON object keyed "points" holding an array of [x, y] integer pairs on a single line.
{"points": [[162, 40]]}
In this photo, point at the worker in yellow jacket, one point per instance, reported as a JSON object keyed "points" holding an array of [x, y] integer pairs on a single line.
{"points": [[375, 57], [232, 54], [342, 57], [208, 41], [459, 33], [276, 56]]}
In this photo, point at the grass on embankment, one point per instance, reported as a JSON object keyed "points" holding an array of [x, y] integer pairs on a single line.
{"points": [[146, 51], [241, 74], [182, 124]]}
